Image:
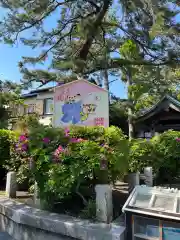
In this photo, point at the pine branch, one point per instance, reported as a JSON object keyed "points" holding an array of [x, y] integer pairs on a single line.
{"points": [[88, 43], [45, 15], [118, 63]]}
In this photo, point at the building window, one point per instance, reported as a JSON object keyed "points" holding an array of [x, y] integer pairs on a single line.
{"points": [[30, 108], [48, 106]]}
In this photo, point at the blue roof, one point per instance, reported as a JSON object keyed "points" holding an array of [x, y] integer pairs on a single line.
{"points": [[35, 92]]}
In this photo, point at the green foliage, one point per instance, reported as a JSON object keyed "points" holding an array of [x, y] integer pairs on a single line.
{"points": [[89, 212], [167, 150], [62, 164], [25, 122], [162, 152], [85, 32], [67, 163], [5, 139], [118, 115], [141, 155], [11, 160], [9, 101]]}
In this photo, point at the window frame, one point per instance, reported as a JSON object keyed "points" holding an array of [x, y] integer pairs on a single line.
{"points": [[44, 106]]}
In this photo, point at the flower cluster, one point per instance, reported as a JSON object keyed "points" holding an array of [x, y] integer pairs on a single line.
{"points": [[22, 145], [67, 131], [76, 140], [178, 139], [58, 151]]}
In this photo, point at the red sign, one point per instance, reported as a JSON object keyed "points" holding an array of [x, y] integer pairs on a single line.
{"points": [[99, 121]]}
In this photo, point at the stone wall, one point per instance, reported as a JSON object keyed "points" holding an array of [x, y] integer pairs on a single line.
{"points": [[26, 223]]}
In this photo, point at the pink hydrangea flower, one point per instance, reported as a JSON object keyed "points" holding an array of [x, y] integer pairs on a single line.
{"points": [[67, 131], [73, 140], [22, 138], [80, 140], [59, 150], [178, 139], [76, 140], [46, 140]]}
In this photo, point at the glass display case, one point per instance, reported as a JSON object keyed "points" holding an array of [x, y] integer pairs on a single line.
{"points": [[153, 214]]}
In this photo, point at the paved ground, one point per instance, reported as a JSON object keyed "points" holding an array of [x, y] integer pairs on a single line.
{"points": [[5, 236]]}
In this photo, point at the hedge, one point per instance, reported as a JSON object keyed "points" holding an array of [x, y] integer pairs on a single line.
{"points": [[162, 152], [6, 139]]}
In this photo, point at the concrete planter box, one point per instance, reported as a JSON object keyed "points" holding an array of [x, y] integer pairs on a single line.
{"points": [[26, 223]]}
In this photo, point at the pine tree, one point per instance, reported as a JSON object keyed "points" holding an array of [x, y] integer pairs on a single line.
{"points": [[145, 84], [9, 100], [82, 24]]}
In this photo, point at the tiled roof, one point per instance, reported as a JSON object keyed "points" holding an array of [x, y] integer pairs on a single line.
{"points": [[151, 111]]}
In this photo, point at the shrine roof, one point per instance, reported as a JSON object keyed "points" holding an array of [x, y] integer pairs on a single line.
{"points": [[165, 103]]}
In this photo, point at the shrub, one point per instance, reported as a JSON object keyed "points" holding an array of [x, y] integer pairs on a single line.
{"points": [[141, 155], [65, 161], [11, 160], [162, 152], [167, 151], [6, 139]]}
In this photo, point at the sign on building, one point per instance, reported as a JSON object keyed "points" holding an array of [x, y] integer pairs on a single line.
{"points": [[80, 103]]}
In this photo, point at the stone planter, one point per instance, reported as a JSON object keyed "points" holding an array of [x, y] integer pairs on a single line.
{"points": [[133, 180]]}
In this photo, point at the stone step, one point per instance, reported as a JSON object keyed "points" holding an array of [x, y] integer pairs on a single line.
{"points": [[5, 236]]}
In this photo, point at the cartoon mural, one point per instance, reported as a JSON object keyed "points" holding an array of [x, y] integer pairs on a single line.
{"points": [[81, 103]]}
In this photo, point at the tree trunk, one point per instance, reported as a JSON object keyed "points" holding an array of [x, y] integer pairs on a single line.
{"points": [[130, 107], [83, 53], [130, 123], [106, 80]]}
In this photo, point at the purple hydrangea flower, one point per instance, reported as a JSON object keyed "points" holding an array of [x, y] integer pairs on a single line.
{"points": [[24, 147], [46, 140]]}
